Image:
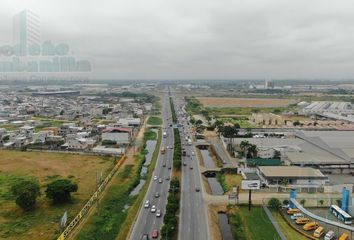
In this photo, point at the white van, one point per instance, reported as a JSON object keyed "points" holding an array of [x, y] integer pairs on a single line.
{"points": [[329, 236]]}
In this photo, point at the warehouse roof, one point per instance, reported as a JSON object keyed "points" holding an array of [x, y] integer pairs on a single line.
{"points": [[290, 172]]}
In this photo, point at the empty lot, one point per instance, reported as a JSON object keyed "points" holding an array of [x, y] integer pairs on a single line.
{"points": [[245, 102]]}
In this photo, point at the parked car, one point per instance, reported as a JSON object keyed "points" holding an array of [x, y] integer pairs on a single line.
{"points": [[330, 235], [296, 216], [319, 232], [302, 221], [292, 211], [310, 226]]}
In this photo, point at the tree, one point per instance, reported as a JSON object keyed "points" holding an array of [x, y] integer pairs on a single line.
{"points": [[198, 122], [296, 123], [303, 201], [274, 203], [321, 202], [59, 190], [26, 193]]}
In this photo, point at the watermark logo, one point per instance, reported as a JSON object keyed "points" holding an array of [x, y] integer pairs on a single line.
{"points": [[28, 54]]}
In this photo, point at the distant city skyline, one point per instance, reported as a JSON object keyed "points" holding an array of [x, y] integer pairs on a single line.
{"points": [[199, 39]]}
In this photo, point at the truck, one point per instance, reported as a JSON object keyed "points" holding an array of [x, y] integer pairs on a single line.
{"points": [[164, 134]]}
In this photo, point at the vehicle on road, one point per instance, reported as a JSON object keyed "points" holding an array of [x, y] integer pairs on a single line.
{"points": [[157, 195], [153, 209], [184, 153], [193, 153], [197, 189], [330, 235], [155, 178], [163, 150], [184, 164], [189, 141], [164, 134], [167, 178], [145, 237], [164, 164], [160, 180], [147, 204], [158, 213], [169, 167], [302, 221], [155, 233], [191, 167], [310, 226], [340, 214]]}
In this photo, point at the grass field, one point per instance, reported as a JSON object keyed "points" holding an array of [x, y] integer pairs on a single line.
{"points": [[288, 231], [150, 135], [244, 102], [242, 123], [42, 222], [232, 180], [252, 225], [153, 120]]}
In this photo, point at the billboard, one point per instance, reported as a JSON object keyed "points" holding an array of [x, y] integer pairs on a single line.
{"points": [[251, 184]]}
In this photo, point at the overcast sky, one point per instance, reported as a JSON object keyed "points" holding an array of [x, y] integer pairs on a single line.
{"points": [[169, 39]]}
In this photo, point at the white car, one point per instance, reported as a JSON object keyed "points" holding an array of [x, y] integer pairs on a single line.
{"points": [[158, 213], [147, 204], [155, 178], [160, 180], [296, 216], [153, 208], [192, 153]]}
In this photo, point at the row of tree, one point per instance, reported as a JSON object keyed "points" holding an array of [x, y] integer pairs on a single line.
{"points": [[26, 192]]}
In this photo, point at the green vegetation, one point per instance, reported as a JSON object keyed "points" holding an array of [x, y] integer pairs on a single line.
{"points": [[150, 135], [109, 142], [274, 204], [26, 192], [193, 105], [221, 179], [60, 190], [170, 220], [133, 210], [236, 121], [288, 231], [177, 150], [213, 111], [174, 117], [153, 120], [252, 225]]}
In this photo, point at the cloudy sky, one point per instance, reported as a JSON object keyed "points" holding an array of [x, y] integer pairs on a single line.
{"points": [[220, 39]]}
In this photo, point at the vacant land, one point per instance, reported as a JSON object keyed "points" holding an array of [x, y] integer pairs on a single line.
{"points": [[244, 102], [153, 120], [252, 225], [42, 222]]}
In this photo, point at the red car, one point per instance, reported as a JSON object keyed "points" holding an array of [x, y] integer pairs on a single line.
{"points": [[155, 233]]}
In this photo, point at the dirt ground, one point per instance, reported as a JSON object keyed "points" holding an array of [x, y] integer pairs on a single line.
{"points": [[244, 102]]}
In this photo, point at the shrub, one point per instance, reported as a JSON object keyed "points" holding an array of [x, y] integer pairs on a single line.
{"points": [[60, 190], [26, 193], [274, 203]]}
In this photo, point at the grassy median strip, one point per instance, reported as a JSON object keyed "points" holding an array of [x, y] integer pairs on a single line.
{"points": [[154, 120], [134, 209], [174, 117]]}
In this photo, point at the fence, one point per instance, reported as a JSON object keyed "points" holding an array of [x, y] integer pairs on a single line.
{"points": [[64, 235]]}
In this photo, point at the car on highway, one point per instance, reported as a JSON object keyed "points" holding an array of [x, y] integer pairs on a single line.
{"points": [[157, 195], [155, 178], [193, 153], [164, 164], [197, 189], [167, 178], [160, 180], [147, 204], [145, 237], [169, 167], [155, 233], [158, 213], [191, 167], [153, 209], [184, 164]]}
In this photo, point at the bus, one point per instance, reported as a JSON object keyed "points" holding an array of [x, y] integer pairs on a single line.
{"points": [[341, 214]]}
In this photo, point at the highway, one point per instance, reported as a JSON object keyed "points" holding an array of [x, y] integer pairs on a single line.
{"points": [[147, 221], [193, 222]]}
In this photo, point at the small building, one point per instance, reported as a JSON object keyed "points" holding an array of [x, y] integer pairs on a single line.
{"points": [[292, 176], [117, 134]]}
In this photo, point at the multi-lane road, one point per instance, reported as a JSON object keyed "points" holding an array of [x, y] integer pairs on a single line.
{"points": [[147, 221], [193, 221]]}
